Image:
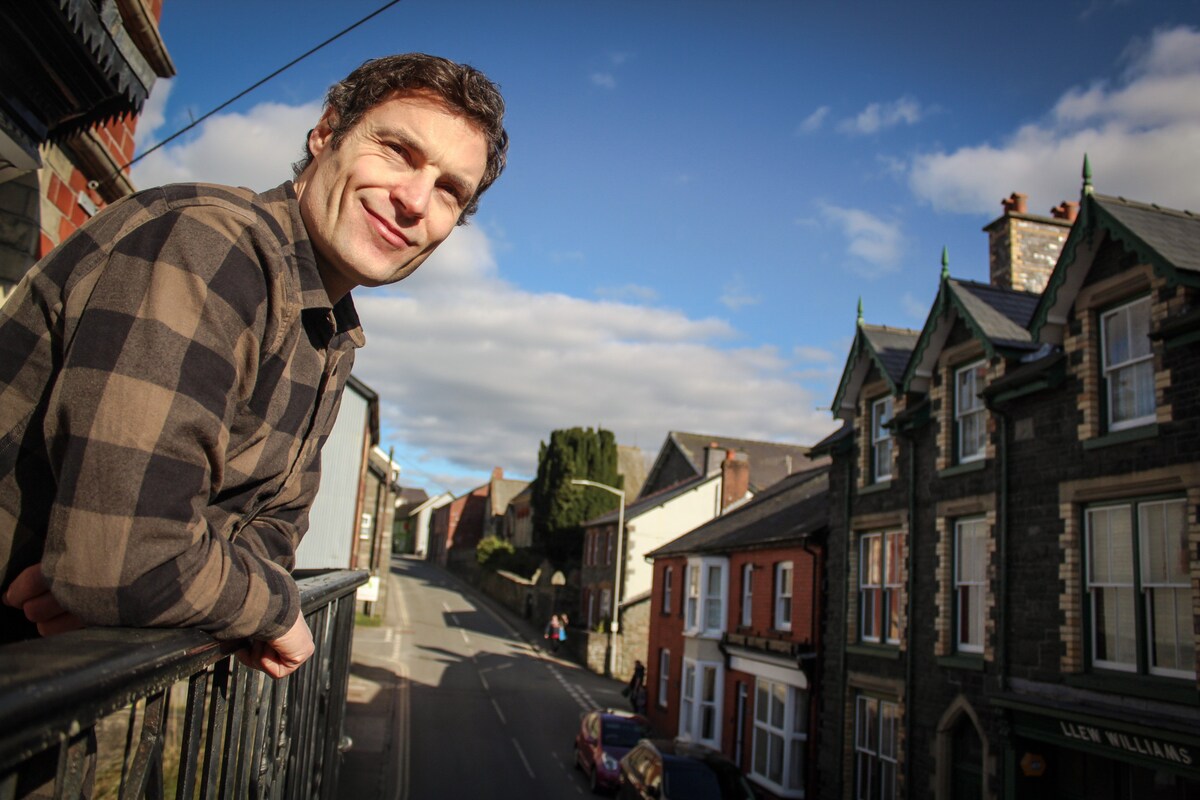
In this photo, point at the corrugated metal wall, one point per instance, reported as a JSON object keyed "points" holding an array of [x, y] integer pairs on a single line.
{"points": [[331, 523]]}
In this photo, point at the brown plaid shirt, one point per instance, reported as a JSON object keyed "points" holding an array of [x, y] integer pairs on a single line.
{"points": [[167, 378]]}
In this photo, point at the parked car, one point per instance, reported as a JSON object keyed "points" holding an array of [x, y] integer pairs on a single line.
{"points": [[663, 769], [603, 738]]}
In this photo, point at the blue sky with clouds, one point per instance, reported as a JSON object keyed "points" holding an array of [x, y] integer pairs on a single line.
{"points": [[697, 193]]}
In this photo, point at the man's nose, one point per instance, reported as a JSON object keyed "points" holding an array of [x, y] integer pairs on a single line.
{"points": [[412, 194]]}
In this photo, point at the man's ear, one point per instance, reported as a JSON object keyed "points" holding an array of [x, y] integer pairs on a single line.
{"points": [[320, 137]]}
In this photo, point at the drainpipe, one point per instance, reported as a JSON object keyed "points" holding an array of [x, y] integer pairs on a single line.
{"points": [[909, 660], [1002, 548], [815, 687], [849, 494]]}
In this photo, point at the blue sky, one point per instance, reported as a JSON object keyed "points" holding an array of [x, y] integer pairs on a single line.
{"points": [[697, 193]]}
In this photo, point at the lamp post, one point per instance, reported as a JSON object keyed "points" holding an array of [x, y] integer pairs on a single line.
{"points": [[617, 585]]}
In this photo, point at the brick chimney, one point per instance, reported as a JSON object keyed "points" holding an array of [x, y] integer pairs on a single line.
{"points": [[735, 479], [1022, 247], [497, 473]]}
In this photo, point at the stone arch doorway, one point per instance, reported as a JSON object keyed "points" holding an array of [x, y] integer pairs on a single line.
{"points": [[962, 754]]}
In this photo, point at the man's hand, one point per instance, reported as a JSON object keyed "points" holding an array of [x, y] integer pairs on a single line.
{"points": [[30, 593], [281, 656]]}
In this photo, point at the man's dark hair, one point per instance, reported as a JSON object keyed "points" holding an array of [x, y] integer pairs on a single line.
{"points": [[464, 89]]}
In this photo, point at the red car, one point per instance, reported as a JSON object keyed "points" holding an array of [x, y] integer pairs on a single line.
{"points": [[604, 737]]}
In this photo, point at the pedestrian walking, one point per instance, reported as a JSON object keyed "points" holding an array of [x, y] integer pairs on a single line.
{"points": [[636, 686], [554, 632]]}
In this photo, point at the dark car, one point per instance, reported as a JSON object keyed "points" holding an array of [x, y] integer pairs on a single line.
{"points": [[663, 769], [604, 737]]}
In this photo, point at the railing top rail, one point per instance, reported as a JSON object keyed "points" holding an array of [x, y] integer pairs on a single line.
{"points": [[70, 681]]}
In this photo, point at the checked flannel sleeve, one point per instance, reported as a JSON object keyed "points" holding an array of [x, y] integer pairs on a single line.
{"points": [[166, 336]]}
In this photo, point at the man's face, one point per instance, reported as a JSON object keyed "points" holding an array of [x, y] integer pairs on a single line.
{"points": [[392, 190]]}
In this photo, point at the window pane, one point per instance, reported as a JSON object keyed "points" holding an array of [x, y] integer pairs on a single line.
{"points": [[799, 711], [778, 704], [1139, 329], [796, 765], [775, 770], [762, 701], [1113, 626], [887, 730], [1163, 531], [1116, 337], [1172, 642], [762, 742]]}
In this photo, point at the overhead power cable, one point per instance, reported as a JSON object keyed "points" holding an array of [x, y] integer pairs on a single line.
{"points": [[244, 92]]}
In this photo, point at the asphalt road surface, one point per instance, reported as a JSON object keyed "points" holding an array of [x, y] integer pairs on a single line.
{"points": [[481, 711]]}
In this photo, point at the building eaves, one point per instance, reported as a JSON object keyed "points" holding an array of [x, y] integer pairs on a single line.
{"points": [[791, 510], [644, 504]]}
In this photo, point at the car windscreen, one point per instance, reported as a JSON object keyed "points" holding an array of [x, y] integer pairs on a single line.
{"points": [[623, 732], [690, 780]]}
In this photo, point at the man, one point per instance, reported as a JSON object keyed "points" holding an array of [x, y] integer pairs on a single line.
{"points": [[169, 373]]}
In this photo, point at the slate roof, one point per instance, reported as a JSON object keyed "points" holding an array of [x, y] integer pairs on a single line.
{"points": [[1174, 235], [794, 508], [893, 347], [827, 444], [1001, 315], [769, 461]]}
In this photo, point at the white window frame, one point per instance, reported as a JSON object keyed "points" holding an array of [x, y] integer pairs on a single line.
{"points": [[875, 748], [1140, 365], [691, 595], [1132, 591], [970, 584], [886, 583], [708, 597], [881, 440], [664, 676], [783, 595], [790, 727], [668, 579], [695, 706], [976, 411], [747, 595]]}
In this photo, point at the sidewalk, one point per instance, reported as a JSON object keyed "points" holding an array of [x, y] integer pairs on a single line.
{"points": [[376, 704]]}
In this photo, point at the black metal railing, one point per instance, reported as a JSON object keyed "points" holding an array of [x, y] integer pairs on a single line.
{"points": [[147, 713]]}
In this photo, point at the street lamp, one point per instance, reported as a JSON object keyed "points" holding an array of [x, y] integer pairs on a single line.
{"points": [[617, 585]]}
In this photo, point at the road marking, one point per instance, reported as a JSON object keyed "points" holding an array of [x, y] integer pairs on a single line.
{"points": [[499, 713], [483, 680], [524, 760], [404, 724], [466, 638]]}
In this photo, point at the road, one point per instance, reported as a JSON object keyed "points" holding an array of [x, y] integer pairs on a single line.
{"points": [[478, 710]]}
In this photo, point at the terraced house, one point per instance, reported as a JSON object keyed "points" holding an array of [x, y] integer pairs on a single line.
{"points": [[1013, 541]]}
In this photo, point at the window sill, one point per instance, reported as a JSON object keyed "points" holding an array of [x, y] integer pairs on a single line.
{"points": [[1172, 690], [889, 651], [774, 788], [960, 469], [1122, 437], [971, 661], [881, 486]]}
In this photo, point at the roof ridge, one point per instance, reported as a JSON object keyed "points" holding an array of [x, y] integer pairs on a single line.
{"points": [[1178, 212]]}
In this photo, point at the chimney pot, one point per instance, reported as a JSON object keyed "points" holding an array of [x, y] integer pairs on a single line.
{"points": [[1067, 210], [1016, 203]]}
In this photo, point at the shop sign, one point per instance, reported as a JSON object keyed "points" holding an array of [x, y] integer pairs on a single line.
{"points": [[1133, 744]]}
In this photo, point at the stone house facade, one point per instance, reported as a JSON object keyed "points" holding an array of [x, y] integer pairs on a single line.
{"points": [[1014, 604]]}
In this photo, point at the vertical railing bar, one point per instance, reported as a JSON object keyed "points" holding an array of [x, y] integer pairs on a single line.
{"points": [[258, 772], [233, 731], [193, 722], [312, 700], [127, 756], [249, 723], [278, 740], [8, 786], [72, 753], [149, 747], [323, 708], [214, 740], [339, 688]]}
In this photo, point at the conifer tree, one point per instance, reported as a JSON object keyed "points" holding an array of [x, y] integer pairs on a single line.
{"points": [[559, 508]]}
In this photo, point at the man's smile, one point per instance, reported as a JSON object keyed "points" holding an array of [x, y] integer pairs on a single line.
{"points": [[386, 230]]}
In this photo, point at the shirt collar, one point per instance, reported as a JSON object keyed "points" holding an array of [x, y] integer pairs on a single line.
{"points": [[282, 200]]}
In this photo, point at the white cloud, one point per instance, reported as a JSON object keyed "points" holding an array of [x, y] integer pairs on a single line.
{"points": [[814, 121], [810, 355], [605, 80], [881, 116], [1142, 137], [869, 238], [914, 308], [478, 371], [254, 149], [153, 115], [735, 297]]}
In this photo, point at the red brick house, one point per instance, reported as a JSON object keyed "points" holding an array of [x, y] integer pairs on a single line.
{"points": [[735, 623]]}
